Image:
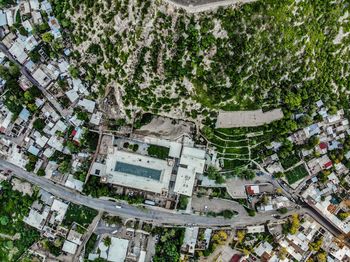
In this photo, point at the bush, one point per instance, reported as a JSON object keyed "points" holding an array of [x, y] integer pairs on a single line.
{"points": [[183, 201]]}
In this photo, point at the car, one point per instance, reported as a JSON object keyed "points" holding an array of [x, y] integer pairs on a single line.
{"points": [[117, 206]]}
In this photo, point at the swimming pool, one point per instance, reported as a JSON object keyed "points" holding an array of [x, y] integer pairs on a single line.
{"points": [[137, 170]]}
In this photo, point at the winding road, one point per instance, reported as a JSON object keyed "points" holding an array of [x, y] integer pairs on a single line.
{"points": [[128, 211]]}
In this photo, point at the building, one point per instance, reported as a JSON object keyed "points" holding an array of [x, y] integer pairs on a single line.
{"points": [[138, 171], [87, 104], [118, 250], [192, 163], [190, 240]]}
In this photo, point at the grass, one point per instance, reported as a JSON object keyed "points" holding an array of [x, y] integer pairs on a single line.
{"points": [[296, 174], [79, 214], [289, 161], [160, 152]]}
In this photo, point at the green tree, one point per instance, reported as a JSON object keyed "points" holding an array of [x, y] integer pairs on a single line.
{"points": [[39, 124], [47, 37], [107, 241], [41, 172], [73, 71]]}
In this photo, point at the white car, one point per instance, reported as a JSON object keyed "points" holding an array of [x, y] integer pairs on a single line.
{"points": [[117, 206]]}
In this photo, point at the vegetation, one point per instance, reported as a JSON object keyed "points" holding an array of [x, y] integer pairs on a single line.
{"points": [[168, 247], [160, 152], [90, 245], [15, 98], [214, 174], [14, 206], [183, 201], [79, 214], [293, 224], [282, 210], [96, 189], [228, 214], [296, 174]]}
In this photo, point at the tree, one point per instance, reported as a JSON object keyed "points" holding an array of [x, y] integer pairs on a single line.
{"points": [[47, 37], [322, 257], [39, 124], [107, 241], [278, 175], [316, 245], [294, 224], [219, 237], [183, 201], [282, 210], [282, 253], [313, 141], [41, 172], [208, 132], [73, 71], [84, 116], [64, 166], [343, 215], [240, 235], [4, 220]]}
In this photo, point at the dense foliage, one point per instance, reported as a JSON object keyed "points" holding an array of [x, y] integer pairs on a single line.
{"points": [[13, 208], [263, 54], [168, 247]]}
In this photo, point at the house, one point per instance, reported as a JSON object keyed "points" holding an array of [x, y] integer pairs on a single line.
{"points": [[3, 18], [55, 27], [59, 208], [40, 76], [190, 240], [87, 104], [77, 134], [252, 190], [34, 5], [27, 26], [96, 118], [24, 114], [69, 247], [73, 183], [9, 17], [46, 6], [264, 251], [72, 95]]}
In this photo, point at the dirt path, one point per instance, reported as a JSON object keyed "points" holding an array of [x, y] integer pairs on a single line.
{"points": [[196, 6]]}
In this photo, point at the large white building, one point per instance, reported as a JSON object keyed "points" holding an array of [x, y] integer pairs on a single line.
{"points": [[138, 171], [192, 162]]}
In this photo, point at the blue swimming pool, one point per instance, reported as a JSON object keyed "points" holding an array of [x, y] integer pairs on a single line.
{"points": [[138, 170]]}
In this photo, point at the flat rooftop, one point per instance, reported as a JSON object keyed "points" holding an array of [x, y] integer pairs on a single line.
{"points": [[138, 171], [247, 118]]}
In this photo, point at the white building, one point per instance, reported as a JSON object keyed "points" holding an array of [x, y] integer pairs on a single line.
{"points": [[118, 250], [138, 171], [192, 163]]}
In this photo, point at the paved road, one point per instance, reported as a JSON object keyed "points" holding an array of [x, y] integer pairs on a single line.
{"points": [[128, 211], [156, 216]]}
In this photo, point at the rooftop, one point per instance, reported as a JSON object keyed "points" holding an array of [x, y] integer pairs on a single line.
{"points": [[138, 171]]}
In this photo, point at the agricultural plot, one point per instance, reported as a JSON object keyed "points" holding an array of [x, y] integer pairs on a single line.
{"points": [[296, 174]]}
